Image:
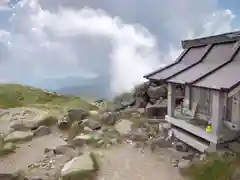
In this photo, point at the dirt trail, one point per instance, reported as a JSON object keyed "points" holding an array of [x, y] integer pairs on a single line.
{"points": [[29, 153], [127, 163]]}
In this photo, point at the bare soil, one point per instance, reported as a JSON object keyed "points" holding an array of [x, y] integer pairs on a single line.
{"points": [[125, 162]]}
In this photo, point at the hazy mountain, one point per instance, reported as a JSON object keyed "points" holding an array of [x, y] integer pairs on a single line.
{"points": [[87, 87]]}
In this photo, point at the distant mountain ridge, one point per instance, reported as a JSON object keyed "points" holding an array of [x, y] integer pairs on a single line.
{"points": [[95, 87]]}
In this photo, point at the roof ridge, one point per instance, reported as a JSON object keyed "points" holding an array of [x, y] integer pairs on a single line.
{"points": [[214, 39]]}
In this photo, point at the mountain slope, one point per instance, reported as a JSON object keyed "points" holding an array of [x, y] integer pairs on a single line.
{"points": [[17, 95]]}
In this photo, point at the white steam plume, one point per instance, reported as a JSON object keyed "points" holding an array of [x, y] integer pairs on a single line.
{"points": [[133, 53]]}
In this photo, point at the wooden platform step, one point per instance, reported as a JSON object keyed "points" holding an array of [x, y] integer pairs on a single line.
{"points": [[191, 140]]}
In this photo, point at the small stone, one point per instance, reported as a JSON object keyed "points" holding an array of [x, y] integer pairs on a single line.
{"points": [[175, 163], [65, 150], [84, 139], [184, 164], [87, 129], [92, 124], [93, 113], [9, 146], [159, 143], [64, 122], [203, 157], [141, 111], [42, 131], [181, 147], [19, 136], [138, 135]]}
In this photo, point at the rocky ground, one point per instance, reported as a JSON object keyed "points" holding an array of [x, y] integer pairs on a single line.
{"points": [[127, 139], [83, 144]]}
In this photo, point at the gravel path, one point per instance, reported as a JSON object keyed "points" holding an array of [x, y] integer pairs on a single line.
{"points": [[29, 153], [127, 163]]}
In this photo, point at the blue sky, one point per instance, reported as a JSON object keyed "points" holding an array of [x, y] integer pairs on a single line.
{"points": [[117, 41]]}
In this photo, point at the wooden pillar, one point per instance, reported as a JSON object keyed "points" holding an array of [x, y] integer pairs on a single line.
{"points": [[188, 97], [217, 112], [236, 109], [171, 99]]}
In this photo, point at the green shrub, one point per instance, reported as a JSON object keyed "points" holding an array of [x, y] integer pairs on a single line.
{"points": [[213, 168]]}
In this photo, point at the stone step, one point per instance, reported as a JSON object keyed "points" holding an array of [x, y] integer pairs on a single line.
{"points": [[191, 140]]}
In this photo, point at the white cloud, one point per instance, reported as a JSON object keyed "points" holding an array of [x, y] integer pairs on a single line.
{"points": [[4, 5], [45, 43]]}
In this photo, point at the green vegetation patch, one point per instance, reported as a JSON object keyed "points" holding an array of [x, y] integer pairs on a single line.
{"points": [[215, 167], [16, 95]]}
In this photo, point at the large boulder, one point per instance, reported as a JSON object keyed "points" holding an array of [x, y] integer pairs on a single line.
{"points": [[141, 89], [92, 124], [22, 125], [138, 135], [77, 114], [109, 118], [30, 118], [157, 110], [123, 101], [42, 131], [19, 136], [141, 102], [157, 92], [81, 167], [124, 127]]}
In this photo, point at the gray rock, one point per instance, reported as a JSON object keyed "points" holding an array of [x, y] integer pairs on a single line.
{"points": [[19, 136], [42, 131], [157, 92], [124, 127], [235, 147], [65, 150], [140, 102], [80, 167], [184, 164], [138, 135], [87, 129], [23, 125], [181, 147], [83, 139], [141, 111], [77, 114], [141, 89], [92, 124], [166, 126], [109, 118], [47, 168], [236, 174], [11, 176], [64, 122], [9, 147], [156, 110], [160, 142]]}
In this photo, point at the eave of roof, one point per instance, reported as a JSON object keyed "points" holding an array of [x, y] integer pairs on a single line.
{"points": [[215, 74], [186, 60], [168, 66], [232, 37]]}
